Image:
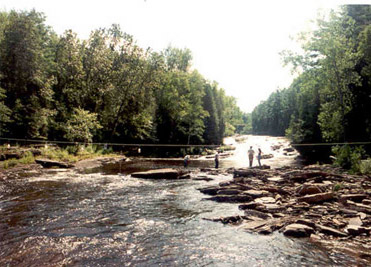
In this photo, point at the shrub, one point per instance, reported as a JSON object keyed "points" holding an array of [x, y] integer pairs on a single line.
{"points": [[365, 166], [348, 158], [27, 158]]}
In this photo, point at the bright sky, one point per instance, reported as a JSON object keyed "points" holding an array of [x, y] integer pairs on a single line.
{"points": [[234, 42]]}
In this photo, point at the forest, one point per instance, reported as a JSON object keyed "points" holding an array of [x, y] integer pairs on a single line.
{"points": [[330, 99], [105, 89]]}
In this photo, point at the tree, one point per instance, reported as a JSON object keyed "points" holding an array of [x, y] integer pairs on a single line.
{"points": [[211, 121], [81, 126], [26, 67]]}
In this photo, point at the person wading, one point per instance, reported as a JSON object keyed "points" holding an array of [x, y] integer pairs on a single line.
{"points": [[259, 156], [251, 153], [186, 161], [217, 160]]}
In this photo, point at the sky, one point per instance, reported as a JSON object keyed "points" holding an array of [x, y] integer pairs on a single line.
{"points": [[233, 42]]}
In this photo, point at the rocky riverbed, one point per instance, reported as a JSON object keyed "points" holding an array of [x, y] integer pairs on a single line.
{"points": [[317, 202]]}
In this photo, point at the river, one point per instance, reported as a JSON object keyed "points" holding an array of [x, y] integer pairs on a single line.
{"points": [[107, 218]]}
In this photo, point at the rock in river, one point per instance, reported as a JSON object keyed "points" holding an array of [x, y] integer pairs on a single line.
{"points": [[298, 230], [159, 174], [46, 163]]}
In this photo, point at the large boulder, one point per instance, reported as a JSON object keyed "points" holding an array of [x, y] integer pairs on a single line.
{"points": [[308, 189], [298, 230], [159, 174], [212, 190]]}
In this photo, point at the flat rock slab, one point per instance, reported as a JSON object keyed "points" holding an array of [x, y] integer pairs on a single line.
{"points": [[353, 197], [229, 192], [158, 174], [51, 163], [259, 214], [207, 179], [275, 179], [357, 230], [230, 198], [254, 225], [316, 198], [256, 193], [330, 231], [265, 200]]}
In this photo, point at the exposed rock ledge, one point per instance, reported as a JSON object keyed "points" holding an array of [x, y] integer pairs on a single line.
{"points": [[161, 174], [319, 202]]}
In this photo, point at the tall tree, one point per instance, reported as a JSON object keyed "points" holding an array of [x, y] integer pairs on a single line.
{"points": [[26, 67]]}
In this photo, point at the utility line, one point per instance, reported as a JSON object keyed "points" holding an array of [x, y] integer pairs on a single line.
{"points": [[332, 144], [108, 144], [164, 145]]}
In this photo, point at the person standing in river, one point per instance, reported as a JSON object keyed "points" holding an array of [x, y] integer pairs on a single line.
{"points": [[251, 153], [217, 160], [259, 156], [186, 161]]}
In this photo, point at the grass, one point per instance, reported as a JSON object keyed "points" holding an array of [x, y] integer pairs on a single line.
{"points": [[27, 158], [73, 154], [70, 154]]}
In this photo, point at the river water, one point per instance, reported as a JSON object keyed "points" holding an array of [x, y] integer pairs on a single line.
{"points": [[106, 218]]}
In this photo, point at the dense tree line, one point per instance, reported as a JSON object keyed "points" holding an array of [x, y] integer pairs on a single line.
{"points": [[330, 100], [105, 88]]}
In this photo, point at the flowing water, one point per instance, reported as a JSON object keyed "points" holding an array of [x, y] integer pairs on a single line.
{"points": [[102, 218]]}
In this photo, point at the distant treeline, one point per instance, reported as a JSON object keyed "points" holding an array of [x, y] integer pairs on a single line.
{"points": [[330, 100], [106, 88]]}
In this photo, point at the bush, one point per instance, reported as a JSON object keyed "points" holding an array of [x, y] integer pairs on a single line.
{"points": [[72, 149], [58, 154], [348, 158], [365, 166], [27, 158], [107, 151]]}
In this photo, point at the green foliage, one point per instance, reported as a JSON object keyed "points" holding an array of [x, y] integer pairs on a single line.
{"points": [[105, 88], [348, 157], [56, 153], [365, 167], [26, 66], [27, 158], [329, 101], [81, 126]]}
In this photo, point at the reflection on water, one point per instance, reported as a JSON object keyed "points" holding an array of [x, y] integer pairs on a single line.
{"points": [[65, 218]]}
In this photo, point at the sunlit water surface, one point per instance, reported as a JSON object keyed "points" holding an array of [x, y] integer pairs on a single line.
{"points": [[106, 219]]}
